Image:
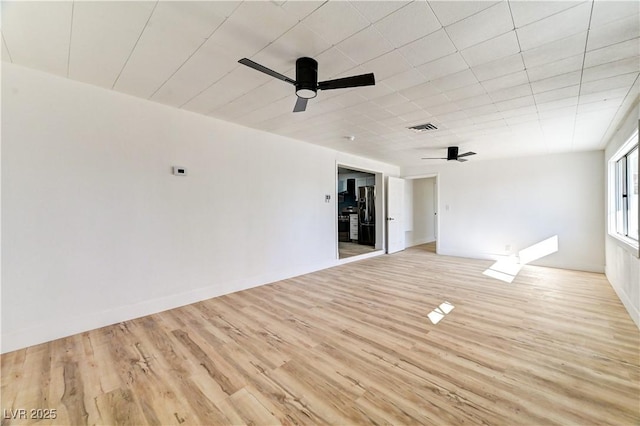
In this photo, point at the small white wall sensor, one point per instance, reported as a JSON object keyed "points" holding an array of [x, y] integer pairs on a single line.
{"points": [[179, 171]]}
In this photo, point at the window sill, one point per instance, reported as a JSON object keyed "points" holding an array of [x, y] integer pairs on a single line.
{"points": [[627, 243]]}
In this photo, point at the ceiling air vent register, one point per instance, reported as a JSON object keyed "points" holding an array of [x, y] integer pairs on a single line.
{"points": [[422, 127]]}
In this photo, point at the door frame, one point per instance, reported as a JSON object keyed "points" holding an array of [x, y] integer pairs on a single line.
{"points": [[380, 206], [436, 202]]}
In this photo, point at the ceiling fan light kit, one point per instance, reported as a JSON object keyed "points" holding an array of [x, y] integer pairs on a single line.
{"points": [[306, 78], [306, 82]]}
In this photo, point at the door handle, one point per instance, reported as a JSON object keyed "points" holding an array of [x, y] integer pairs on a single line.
{"points": [[391, 218]]}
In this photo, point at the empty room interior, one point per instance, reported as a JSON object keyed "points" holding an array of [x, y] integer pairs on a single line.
{"points": [[320, 212]]}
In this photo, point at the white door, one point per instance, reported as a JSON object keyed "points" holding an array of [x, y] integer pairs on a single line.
{"points": [[435, 210], [395, 204]]}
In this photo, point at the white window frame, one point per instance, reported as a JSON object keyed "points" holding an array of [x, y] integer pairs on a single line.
{"points": [[614, 199]]}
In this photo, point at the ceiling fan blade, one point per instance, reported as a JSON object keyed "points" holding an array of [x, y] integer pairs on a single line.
{"points": [[466, 154], [462, 160], [301, 105], [256, 66], [343, 83], [433, 158]]}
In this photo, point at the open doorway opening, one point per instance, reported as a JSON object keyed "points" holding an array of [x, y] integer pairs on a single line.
{"points": [[357, 213], [421, 209]]}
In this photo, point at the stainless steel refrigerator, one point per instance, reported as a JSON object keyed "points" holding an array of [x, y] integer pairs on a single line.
{"points": [[367, 215]]}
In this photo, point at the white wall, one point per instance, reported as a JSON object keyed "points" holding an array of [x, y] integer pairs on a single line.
{"points": [[485, 206], [96, 229], [419, 211], [622, 262]]}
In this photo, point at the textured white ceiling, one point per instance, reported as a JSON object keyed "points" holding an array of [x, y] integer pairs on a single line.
{"points": [[503, 79]]}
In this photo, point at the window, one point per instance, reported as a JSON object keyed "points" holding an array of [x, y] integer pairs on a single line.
{"points": [[624, 171]]}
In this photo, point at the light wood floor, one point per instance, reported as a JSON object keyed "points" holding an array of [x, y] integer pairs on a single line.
{"points": [[353, 345], [348, 249]]}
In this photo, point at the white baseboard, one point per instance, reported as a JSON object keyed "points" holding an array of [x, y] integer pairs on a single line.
{"points": [[633, 311], [491, 256], [584, 267], [360, 257], [69, 326], [468, 254]]}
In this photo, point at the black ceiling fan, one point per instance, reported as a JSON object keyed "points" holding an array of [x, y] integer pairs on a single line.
{"points": [[306, 81], [452, 154]]}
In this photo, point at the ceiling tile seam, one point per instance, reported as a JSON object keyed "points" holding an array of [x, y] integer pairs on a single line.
{"points": [[230, 100], [291, 29], [213, 111], [435, 14], [144, 27], [615, 20], [526, 70], [462, 56], [214, 83], [193, 53], [352, 68], [246, 113], [308, 14], [615, 44], [584, 58], [545, 45], [266, 120], [287, 31], [418, 39], [463, 59], [373, 26], [579, 84], [6, 47], [442, 27], [577, 4], [622, 104], [378, 20], [249, 111], [205, 89], [412, 41], [73, 5], [370, 24], [490, 4], [355, 34], [427, 80], [453, 44], [483, 41]]}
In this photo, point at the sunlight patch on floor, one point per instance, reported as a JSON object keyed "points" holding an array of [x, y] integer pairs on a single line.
{"points": [[435, 317], [504, 270], [539, 250], [440, 312], [507, 269]]}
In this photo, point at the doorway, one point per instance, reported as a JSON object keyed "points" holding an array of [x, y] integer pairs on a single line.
{"points": [[357, 213], [421, 207]]}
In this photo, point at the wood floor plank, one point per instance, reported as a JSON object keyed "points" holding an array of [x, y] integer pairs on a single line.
{"points": [[251, 409], [118, 408], [353, 345]]}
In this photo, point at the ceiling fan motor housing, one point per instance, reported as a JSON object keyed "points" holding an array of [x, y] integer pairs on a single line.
{"points": [[452, 153], [306, 78]]}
